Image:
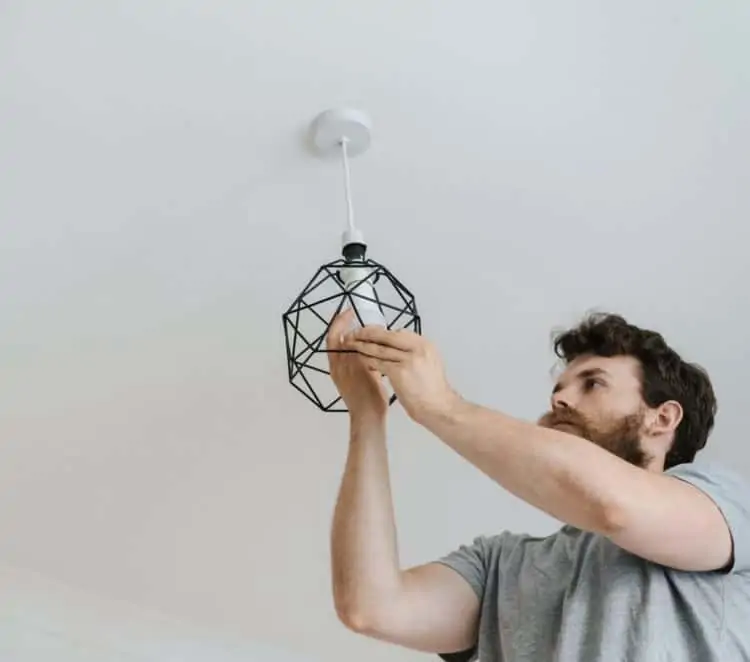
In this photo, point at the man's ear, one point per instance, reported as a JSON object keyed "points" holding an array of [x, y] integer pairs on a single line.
{"points": [[667, 417]]}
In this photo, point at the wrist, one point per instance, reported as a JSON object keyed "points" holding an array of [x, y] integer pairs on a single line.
{"points": [[366, 423], [447, 410]]}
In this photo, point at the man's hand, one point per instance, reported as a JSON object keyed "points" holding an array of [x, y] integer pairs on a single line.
{"points": [[360, 388], [411, 364]]}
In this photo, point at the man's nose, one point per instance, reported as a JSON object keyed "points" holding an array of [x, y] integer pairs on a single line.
{"points": [[561, 400]]}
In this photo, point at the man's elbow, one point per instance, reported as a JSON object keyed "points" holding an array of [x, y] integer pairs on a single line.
{"points": [[378, 619], [358, 617], [353, 620]]}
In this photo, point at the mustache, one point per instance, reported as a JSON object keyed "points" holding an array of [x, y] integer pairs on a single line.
{"points": [[560, 416]]}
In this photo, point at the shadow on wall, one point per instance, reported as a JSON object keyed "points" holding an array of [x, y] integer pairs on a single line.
{"points": [[42, 621]]}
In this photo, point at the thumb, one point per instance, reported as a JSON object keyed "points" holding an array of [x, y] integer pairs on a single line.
{"points": [[339, 328]]}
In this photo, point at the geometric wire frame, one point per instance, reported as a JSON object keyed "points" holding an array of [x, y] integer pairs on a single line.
{"points": [[308, 319]]}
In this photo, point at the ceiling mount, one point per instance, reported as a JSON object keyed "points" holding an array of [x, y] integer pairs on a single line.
{"points": [[333, 127]]}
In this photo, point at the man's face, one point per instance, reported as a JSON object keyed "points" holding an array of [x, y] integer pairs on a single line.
{"points": [[599, 399]]}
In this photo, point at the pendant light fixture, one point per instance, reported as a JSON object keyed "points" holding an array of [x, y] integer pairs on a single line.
{"points": [[353, 281]]}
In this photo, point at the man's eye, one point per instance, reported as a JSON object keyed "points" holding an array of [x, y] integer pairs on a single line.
{"points": [[591, 384]]}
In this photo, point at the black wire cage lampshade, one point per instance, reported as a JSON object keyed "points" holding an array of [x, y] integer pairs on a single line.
{"points": [[354, 281]]}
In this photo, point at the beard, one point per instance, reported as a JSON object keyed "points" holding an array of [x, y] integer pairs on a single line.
{"points": [[620, 436]]}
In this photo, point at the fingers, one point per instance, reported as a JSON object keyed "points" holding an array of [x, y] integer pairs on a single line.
{"points": [[377, 365], [338, 329], [374, 351], [404, 341]]}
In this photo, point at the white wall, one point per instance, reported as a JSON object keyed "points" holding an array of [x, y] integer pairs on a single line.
{"points": [[45, 621]]}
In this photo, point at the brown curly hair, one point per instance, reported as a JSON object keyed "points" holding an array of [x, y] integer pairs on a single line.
{"points": [[664, 375]]}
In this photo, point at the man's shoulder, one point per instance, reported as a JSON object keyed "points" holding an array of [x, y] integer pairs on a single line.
{"points": [[712, 477]]}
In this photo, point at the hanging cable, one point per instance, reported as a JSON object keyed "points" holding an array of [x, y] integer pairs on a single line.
{"points": [[347, 183]]}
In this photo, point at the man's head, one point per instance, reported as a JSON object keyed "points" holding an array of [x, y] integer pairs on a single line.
{"points": [[626, 390]]}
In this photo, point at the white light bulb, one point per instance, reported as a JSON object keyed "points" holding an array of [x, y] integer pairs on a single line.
{"points": [[357, 280]]}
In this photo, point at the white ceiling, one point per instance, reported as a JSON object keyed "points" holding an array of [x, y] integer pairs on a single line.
{"points": [[531, 161]]}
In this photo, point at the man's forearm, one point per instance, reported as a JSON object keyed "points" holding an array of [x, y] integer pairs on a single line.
{"points": [[363, 542], [565, 476]]}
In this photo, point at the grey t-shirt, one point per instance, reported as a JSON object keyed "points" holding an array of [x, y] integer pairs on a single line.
{"points": [[577, 597]]}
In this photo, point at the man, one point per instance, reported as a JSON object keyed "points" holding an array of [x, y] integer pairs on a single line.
{"points": [[653, 562]]}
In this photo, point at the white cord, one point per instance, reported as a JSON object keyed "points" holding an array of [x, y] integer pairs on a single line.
{"points": [[347, 184]]}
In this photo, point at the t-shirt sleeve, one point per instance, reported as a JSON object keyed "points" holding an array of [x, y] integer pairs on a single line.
{"points": [[471, 562], [730, 492]]}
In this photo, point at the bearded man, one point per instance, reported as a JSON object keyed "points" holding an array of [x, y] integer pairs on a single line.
{"points": [[653, 560]]}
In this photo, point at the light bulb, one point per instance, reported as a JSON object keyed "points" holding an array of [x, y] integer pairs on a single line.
{"points": [[357, 282]]}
